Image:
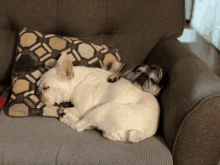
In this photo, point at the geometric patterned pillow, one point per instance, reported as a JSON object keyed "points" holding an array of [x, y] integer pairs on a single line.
{"points": [[38, 52]]}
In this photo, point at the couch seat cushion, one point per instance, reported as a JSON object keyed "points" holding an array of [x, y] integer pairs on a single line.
{"points": [[43, 140]]}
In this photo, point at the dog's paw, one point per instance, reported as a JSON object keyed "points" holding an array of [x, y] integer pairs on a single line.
{"points": [[67, 114], [68, 122], [65, 121], [60, 112], [66, 117], [113, 78]]}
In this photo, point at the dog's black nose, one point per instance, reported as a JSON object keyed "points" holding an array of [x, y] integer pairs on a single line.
{"points": [[141, 79], [38, 93]]}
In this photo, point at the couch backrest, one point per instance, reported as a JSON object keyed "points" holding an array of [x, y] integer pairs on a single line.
{"points": [[133, 26]]}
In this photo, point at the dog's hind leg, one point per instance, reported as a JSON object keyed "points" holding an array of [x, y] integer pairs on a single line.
{"points": [[125, 136], [82, 125], [112, 136]]}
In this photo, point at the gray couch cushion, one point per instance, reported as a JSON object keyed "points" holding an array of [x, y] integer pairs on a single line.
{"points": [[41, 140]]}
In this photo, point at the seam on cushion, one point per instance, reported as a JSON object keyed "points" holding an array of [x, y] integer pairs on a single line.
{"points": [[128, 33], [3, 154], [58, 152], [187, 116], [161, 40], [163, 37], [113, 34]]}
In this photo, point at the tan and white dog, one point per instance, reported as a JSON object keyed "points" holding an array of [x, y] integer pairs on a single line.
{"points": [[121, 110]]}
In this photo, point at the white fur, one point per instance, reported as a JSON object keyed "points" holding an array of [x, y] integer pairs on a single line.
{"points": [[122, 111]]}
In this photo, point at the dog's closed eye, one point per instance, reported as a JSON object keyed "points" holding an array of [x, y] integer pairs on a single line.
{"points": [[153, 81], [138, 70], [45, 88]]}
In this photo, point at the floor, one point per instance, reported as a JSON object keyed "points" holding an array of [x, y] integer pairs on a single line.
{"points": [[199, 46]]}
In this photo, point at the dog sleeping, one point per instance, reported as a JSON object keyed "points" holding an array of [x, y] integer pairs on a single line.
{"points": [[120, 109], [147, 78]]}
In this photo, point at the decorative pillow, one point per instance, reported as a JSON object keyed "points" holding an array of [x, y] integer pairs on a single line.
{"points": [[38, 52]]}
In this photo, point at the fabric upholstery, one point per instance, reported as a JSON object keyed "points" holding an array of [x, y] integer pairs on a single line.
{"points": [[46, 141], [200, 129], [38, 52], [190, 105], [7, 54]]}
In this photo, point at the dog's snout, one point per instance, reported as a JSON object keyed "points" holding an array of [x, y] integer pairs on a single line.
{"points": [[39, 92], [141, 79], [144, 76]]}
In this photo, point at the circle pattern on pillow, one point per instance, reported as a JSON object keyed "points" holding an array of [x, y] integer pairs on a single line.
{"points": [[38, 52]]}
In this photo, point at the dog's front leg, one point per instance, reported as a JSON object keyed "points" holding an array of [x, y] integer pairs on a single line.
{"points": [[116, 70], [56, 111], [68, 116], [50, 111]]}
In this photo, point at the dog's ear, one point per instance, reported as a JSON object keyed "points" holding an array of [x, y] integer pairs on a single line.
{"points": [[165, 79], [64, 67], [61, 59]]}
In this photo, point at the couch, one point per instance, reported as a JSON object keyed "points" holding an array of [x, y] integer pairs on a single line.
{"points": [[144, 31]]}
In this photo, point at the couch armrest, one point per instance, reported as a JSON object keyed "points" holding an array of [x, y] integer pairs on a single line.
{"points": [[190, 104]]}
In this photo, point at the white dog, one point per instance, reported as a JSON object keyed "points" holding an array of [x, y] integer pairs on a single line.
{"points": [[121, 110]]}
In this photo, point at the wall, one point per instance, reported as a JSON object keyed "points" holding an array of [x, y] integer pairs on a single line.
{"points": [[188, 7], [206, 20]]}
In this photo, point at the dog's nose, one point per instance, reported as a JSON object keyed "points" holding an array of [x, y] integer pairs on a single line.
{"points": [[143, 76], [38, 93]]}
